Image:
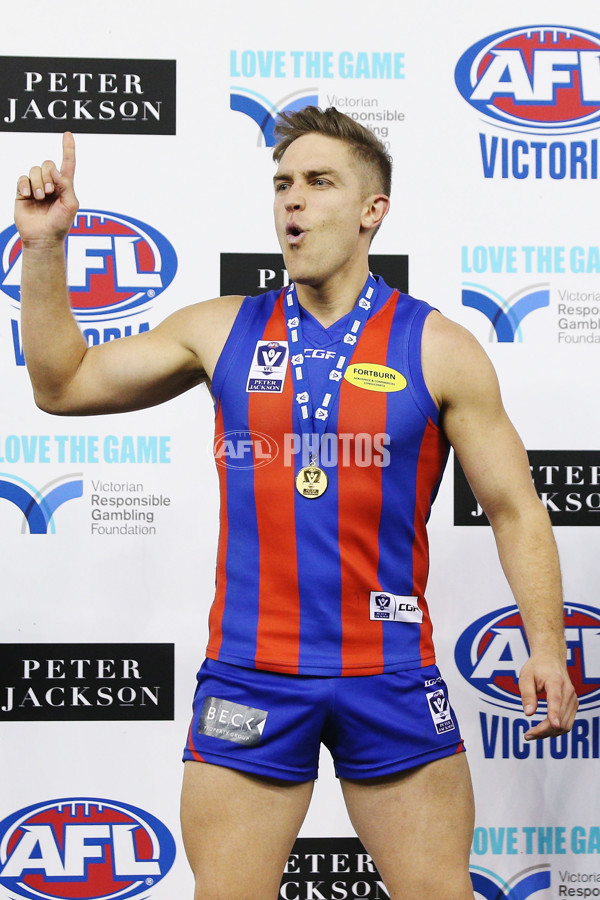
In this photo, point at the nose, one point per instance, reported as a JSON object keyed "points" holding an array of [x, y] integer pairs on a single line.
{"points": [[294, 198]]}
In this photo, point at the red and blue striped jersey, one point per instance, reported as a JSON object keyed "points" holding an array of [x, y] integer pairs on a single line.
{"points": [[333, 585]]}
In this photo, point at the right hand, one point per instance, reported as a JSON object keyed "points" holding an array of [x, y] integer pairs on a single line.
{"points": [[46, 204]]}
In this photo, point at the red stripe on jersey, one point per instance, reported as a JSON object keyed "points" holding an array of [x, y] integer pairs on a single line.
{"points": [[359, 502], [215, 619], [278, 632], [190, 747], [431, 457]]}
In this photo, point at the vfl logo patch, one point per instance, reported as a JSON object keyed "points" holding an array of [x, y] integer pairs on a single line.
{"points": [[269, 367], [386, 607], [440, 711], [232, 721]]}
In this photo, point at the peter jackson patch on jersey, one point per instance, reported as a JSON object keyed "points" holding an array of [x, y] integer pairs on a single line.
{"points": [[393, 608], [269, 366]]}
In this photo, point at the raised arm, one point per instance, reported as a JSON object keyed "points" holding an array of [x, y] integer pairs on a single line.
{"points": [[494, 460], [130, 373]]}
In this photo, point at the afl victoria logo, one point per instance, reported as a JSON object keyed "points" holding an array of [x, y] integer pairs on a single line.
{"points": [[541, 78], [83, 848], [491, 652], [116, 265]]}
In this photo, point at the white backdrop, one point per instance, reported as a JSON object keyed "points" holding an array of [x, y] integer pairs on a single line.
{"points": [[206, 190]]}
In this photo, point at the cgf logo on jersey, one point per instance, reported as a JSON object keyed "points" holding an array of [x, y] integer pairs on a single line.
{"points": [[83, 848], [116, 267], [543, 80], [490, 654]]}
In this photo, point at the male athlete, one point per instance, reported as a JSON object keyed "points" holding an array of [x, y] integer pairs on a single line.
{"points": [[319, 631]]}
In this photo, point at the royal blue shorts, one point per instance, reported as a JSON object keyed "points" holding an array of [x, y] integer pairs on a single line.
{"points": [[273, 724]]}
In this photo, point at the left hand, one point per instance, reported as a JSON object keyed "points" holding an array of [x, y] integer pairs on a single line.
{"points": [[544, 672]]}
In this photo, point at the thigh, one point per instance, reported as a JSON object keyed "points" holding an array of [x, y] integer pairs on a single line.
{"points": [[238, 830], [418, 827]]}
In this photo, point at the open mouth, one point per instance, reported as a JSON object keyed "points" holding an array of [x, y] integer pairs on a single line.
{"points": [[294, 233]]}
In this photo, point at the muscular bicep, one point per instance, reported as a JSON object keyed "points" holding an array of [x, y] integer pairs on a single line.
{"points": [[130, 373], [146, 369]]}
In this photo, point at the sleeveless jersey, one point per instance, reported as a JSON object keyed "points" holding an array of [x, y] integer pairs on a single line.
{"points": [[333, 585]]}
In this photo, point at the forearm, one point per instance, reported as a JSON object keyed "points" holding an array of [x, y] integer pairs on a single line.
{"points": [[529, 558], [52, 342]]}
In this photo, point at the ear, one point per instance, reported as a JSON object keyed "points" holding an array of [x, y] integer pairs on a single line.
{"points": [[375, 210]]}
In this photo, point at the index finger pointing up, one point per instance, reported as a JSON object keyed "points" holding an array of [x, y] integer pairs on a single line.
{"points": [[68, 161]]}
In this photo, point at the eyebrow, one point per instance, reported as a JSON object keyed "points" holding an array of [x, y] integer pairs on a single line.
{"points": [[310, 173]]}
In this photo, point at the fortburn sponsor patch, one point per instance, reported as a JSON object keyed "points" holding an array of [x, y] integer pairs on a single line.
{"points": [[375, 377]]}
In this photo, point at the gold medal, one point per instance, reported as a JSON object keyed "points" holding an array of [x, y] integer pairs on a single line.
{"points": [[311, 482]]}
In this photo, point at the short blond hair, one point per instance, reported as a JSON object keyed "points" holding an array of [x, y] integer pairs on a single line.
{"points": [[332, 123]]}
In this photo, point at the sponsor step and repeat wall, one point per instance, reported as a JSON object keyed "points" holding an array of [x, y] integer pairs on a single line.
{"points": [[109, 525]]}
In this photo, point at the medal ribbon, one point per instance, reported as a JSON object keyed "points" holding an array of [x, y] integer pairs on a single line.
{"points": [[314, 421]]}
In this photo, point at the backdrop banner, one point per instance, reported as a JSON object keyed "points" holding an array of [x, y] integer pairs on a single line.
{"points": [[109, 525]]}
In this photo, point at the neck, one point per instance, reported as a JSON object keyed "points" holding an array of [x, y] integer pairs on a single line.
{"points": [[331, 301]]}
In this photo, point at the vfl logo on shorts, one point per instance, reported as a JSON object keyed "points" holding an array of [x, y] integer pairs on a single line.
{"points": [[440, 711], [392, 608], [269, 366], [232, 721]]}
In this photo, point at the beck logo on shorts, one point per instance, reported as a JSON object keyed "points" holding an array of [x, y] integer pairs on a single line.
{"points": [[232, 721], [440, 711], [375, 377], [392, 608], [269, 365]]}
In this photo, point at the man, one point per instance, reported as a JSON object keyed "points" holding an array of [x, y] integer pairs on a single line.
{"points": [[319, 630]]}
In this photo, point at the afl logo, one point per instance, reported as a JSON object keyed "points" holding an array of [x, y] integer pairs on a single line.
{"points": [[115, 265], [83, 848], [542, 77], [491, 652], [244, 449]]}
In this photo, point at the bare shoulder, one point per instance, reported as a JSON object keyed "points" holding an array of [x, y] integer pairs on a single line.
{"points": [[203, 328], [454, 362], [218, 312]]}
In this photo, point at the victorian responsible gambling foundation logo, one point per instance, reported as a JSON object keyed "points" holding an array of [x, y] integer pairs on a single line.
{"points": [[490, 886], [539, 84], [264, 113], [116, 267], [490, 654], [84, 848], [39, 506], [505, 313]]}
